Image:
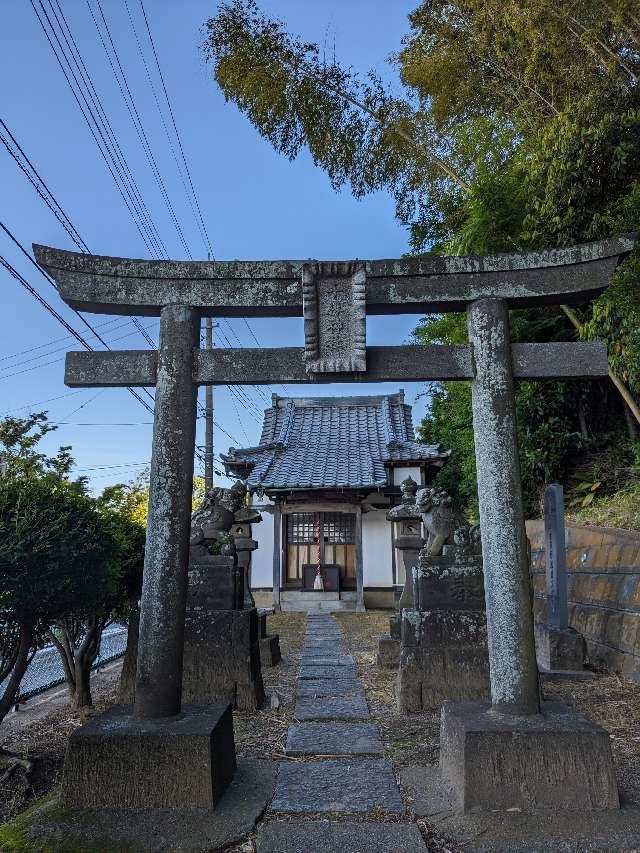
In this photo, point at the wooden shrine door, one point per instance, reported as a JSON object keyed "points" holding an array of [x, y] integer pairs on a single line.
{"points": [[336, 533]]}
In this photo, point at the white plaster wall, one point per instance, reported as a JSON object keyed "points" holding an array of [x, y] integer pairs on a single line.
{"points": [[262, 558], [400, 474], [376, 549]]}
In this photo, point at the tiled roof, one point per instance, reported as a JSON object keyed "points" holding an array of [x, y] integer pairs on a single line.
{"points": [[331, 442]]}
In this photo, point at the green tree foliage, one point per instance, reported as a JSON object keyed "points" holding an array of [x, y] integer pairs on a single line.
{"points": [[55, 552], [69, 564], [518, 128], [19, 452], [132, 499]]}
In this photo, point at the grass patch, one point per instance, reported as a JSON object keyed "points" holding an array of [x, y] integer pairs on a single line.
{"points": [[407, 738], [15, 836], [263, 733], [619, 509]]}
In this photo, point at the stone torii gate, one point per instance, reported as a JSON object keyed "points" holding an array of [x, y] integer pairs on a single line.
{"points": [[334, 298]]}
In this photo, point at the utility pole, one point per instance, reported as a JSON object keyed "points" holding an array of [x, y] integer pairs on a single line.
{"points": [[208, 420]]}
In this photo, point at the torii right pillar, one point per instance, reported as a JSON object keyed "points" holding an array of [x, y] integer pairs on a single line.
{"points": [[511, 754]]}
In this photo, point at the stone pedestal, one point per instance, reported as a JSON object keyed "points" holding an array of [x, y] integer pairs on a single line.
{"points": [[556, 760], [221, 659], [117, 761], [222, 648], [559, 649], [269, 643], [223, 663], [443, 641]]}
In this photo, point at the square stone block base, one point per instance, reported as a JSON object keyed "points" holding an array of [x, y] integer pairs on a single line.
{"points": [[388, 652], [429, 677], [559, 648], [119, 762], [557, 760], [270, 651]]}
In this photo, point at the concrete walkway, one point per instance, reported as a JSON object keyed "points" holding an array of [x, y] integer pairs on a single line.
{"points": [[342, 772]]}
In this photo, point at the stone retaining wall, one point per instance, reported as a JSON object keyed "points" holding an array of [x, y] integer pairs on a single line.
{"points": [[603, 568]]}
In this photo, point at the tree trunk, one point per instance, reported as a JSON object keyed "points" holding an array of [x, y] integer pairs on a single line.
{"points": [[20, 667], [584, 431], [77, 662], [65, 650], [622, 388], [84, 659], [632, 427], [82, 691]]}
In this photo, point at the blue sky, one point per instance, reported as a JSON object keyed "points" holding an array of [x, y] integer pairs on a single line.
{"points": [[255, 204]]}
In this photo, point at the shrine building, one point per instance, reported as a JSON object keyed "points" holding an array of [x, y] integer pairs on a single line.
{"points": [[324, 475]]}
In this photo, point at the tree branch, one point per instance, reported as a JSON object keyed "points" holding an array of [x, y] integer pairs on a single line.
{"points": [[620, 385], [351, 99]]}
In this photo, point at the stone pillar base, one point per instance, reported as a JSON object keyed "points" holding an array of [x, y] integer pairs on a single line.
{"points": [[270, 651], [556, 760], [388, 652], [116, 761], [559, 648], [433, 676]]}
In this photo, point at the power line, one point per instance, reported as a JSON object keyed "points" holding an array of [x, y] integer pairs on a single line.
{"points": [[39, 184], [84, 92], [53, 341], [177, 133], [42, 355], [98, 130], [193, 194], [134, 114], [29, 170], [95, 98], [30, 289], [47, 400]]}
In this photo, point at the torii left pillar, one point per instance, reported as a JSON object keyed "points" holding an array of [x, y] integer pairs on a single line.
{"points": [[120, 759]]}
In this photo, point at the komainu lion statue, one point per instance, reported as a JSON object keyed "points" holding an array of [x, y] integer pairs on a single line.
{"points": [[443, 524]]}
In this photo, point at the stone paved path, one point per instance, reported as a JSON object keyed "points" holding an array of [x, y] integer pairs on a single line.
{"points": [[343, 772]]}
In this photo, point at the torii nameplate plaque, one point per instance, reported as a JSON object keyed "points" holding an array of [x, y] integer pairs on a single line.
{"points": [[334, 310]]}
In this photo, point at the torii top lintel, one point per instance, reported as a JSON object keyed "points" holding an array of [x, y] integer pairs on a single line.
{"points": [[107, 285]]}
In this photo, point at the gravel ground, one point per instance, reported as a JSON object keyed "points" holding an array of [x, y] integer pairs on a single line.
{"points": [[44, 742]]}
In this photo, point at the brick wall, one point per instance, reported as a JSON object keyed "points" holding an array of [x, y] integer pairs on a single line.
{"points": [[603, 590]]}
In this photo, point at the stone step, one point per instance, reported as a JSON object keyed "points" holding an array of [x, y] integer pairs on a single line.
{"points": [[331, 708], [340, 785], [339, 836], [300, 595], [327, 671], [333, 738], [317, 607], [317, 603], [329, 687]]}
